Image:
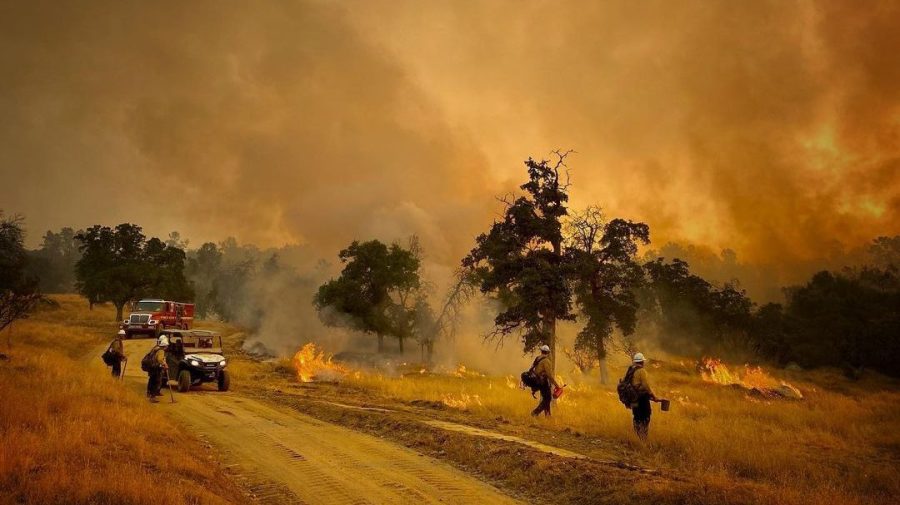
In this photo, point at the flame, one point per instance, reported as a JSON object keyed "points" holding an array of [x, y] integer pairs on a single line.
{"points": [[463, 373], [313, 363], [753, 378], [461, 401]]}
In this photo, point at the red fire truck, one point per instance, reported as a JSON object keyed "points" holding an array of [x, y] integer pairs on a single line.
{"points": [[150, 317]]}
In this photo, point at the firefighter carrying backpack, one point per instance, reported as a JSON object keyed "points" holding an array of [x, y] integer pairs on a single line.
{"points": [[531, 379], [149, 359], [109, 357], [628, 394]]}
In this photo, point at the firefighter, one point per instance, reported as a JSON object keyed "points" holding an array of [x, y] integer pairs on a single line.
{"points": [[641, 410], [543, 368], [118, 354], [159, 371]]}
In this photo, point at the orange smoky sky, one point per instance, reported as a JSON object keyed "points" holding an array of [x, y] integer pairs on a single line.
{"points": [[772, 128]]}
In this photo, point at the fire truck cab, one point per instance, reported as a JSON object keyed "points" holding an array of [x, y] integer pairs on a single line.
{"points": [[150, 317]]}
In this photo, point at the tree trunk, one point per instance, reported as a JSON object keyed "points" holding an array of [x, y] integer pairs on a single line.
{"points": [[430, 354], [401, 345], [380, 343], [9, 336], [119, 309], [601, 358]]}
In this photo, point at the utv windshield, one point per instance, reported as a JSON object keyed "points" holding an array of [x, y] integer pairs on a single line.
{"points": [[148, 306], [202, 343]]}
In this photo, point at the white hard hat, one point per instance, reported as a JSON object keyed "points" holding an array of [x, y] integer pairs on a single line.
{"points": [[638, 358], [545, 348], [121, 333], [163, 341]]}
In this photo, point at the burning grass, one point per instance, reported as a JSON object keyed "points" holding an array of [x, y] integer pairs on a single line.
{"points": [[754, 379], [834, 446], [314, 364]]}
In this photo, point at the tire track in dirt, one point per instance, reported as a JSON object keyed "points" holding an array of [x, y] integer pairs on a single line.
{"points": [[285, 456]]}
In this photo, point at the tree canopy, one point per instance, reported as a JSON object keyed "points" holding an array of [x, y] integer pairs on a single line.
{"points": [[605, 275], [53, 264], [119, 265], [377, 291], [520, 259], [18, 290]]}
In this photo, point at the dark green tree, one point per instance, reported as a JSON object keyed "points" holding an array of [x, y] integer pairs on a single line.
{"points": [[19, 293], [849, 319], [520, 259], [54, 262], [373, 292], [120, 265], [605, 275], [694, 315]]}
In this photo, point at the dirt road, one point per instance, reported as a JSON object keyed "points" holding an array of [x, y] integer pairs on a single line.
{"points": [[286, 457]]}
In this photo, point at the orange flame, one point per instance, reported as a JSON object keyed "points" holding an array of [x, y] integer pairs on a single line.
{"points": [[312, 363], [462, 372], [753, 379]]}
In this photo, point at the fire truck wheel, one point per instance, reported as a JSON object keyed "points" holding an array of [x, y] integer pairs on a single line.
{"points": [[184, 381], [224, 381]]}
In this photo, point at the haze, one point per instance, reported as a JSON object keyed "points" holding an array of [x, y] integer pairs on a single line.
{"points": [[771, 128]]}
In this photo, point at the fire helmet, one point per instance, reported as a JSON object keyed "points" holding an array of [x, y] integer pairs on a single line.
{"points": [[163, 341], [545, 348], [121, 333], [638, 358]]}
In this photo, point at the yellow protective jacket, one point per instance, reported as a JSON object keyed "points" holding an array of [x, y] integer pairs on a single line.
{"points": [[544, 370], [117, 348], [160, 357], [641, 382]]}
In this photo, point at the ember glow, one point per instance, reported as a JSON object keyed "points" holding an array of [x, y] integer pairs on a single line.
{"points": [[753, 378], [314, 364]]}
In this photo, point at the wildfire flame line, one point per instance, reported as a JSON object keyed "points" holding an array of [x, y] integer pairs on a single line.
{"points": [[312, 363], [753, 378]]}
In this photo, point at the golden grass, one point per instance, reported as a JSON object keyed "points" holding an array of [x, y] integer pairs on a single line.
{"points": [[839, 445], [69, 433]]}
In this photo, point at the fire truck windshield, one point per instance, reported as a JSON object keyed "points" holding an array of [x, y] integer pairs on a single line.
{"points": [[148, 306]]}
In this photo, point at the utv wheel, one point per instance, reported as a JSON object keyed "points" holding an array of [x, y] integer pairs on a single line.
{"points": [[224, 381], [184, 381]]}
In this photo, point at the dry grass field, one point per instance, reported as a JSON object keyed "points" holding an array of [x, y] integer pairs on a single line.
{"points": [[69, 433], [840, 444]]}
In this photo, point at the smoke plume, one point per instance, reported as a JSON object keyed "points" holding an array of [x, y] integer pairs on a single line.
{"points": [[766, 127]]}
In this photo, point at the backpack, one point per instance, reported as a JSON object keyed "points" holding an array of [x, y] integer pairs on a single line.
{"points": [[628, 394], [149, 359], [531, 379], [109, 357]]}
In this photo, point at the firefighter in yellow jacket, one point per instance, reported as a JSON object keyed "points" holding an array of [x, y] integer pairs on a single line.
{"points": [[159, 371], [543, 368], [641, 410], [118, 349]]}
